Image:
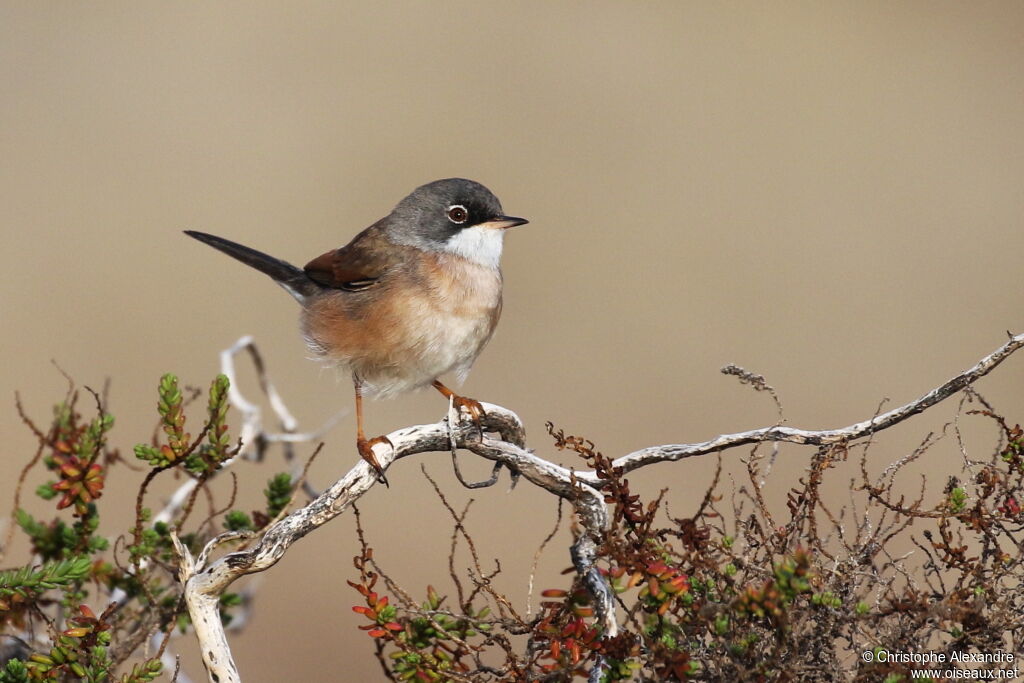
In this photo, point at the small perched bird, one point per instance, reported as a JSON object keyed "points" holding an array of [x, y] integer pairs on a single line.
{"points": [[412, 297]]}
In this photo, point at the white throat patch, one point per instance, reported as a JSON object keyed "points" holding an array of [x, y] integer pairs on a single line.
{"points": [[477, 244]]}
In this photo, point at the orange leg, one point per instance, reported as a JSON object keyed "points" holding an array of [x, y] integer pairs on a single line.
{"points": [[364, 445], [472, 406]]}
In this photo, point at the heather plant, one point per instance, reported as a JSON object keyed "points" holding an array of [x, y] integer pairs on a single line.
{"points": [[721, 586]]}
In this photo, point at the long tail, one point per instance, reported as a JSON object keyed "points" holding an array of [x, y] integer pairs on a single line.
{"points": [[293, 279]]}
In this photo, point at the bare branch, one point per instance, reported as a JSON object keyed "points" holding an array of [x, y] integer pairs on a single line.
{"points": [[825, 437], [204, 583]]}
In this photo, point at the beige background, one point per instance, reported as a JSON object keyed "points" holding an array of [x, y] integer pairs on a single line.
{"points": [[826, 193]]}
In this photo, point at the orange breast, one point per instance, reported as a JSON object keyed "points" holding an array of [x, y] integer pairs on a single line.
{"points": [[415, 325]]}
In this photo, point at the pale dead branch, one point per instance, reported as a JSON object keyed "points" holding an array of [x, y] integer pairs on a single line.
{"points": [[205, 579]]}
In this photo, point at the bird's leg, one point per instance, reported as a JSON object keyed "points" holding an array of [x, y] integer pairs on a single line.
{"points": [[364, 445], [472, 406]]}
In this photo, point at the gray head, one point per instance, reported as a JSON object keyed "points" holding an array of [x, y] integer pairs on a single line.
{"points": [[454, 215]]}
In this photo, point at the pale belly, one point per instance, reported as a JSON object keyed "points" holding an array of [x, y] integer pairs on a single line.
{"points": [[412, 340], [439, 343]]}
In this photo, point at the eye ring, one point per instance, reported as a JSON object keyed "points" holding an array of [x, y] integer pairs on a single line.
{"points": [[458, 214]]}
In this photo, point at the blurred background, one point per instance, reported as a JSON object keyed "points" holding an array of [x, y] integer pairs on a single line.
{"points": [[829, 194]]}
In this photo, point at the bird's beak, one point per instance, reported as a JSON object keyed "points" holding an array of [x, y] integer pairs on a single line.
{"points": [[503, 222]]}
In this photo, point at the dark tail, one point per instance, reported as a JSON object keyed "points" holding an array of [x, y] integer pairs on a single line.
{"points": [[285, 274]]}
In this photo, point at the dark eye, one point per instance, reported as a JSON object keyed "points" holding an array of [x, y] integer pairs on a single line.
{"points": [[457, 213]]}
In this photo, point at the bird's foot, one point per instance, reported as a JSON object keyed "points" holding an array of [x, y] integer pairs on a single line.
{"points": [[474, 408], [365, 447]]}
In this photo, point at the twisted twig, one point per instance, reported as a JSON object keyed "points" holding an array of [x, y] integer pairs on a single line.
{"points": [[204, 583]]}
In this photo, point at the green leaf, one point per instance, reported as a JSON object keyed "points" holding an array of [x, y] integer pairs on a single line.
{"points": [[236, 520], [27, 580], [14, 672]]}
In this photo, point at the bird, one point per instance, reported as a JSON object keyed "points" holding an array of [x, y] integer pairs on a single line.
{"points": [[413, 297]]}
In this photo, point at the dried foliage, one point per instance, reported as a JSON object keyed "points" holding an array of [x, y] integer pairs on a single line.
{"points": [[733, 592], [735, 589], [48, 618]]}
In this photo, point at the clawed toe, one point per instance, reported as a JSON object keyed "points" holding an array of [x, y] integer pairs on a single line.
{"points": [[474, 408], [365, 448]]}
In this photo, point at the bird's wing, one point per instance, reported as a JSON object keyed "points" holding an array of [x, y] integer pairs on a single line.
{"points": [[358, 265]]}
